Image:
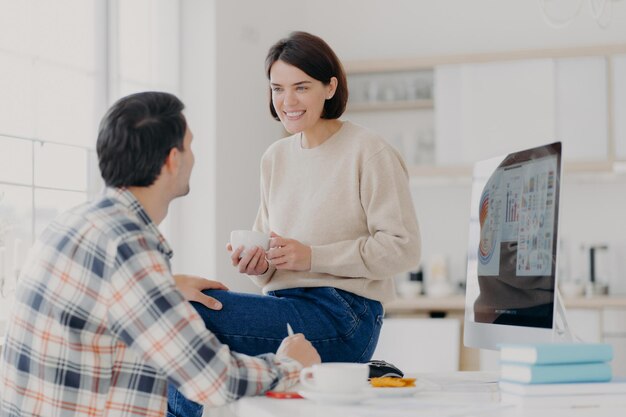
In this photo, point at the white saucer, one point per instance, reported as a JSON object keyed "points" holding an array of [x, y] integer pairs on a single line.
{"points": [[336, 398], [392, 391]]}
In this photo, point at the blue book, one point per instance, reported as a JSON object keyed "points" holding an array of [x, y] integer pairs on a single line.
{"points": [[555, 353], [554, 374]]}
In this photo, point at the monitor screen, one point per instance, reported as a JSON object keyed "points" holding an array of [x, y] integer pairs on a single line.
{"points": [[512, 251]]}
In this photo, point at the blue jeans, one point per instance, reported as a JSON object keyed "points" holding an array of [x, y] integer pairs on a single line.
{"points": [[342, 326]]}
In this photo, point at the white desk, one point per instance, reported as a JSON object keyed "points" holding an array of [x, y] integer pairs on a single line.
{"points": [[457, 394]]}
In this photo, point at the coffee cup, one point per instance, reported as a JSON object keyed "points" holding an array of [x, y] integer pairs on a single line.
{"points": [[249, 239], [335, 377]]}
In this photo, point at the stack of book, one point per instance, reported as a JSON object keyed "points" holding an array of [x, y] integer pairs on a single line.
{"points": [[559, 374]]}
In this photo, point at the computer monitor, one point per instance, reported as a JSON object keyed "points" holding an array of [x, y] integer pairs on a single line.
{"points": [[512, 251]]}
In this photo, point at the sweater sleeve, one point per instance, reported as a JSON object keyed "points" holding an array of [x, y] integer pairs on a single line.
{"points": [[393, 244]]}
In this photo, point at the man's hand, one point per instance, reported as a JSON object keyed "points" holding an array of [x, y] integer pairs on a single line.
{"points": [[298, 348], [289, 254], [191, 287], [252, 263]]}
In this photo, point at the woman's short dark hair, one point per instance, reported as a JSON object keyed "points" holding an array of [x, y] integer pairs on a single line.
{"points": [[136, 135], [313, 56]]}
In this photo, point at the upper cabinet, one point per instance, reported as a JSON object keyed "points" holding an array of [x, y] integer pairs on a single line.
{"points": [[484, 110], [581, 107], [487, 105]]}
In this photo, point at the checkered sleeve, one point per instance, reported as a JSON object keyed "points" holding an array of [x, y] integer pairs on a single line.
{"points": [[151, 317]]}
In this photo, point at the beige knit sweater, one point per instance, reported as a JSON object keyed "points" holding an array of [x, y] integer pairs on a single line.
{"points": [[349, 200]]}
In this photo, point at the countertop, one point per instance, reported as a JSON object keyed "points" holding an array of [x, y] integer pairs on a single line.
{"points": [[456, 303]]}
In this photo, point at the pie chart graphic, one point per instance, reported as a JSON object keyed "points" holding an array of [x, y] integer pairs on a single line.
{"points": [[487, 235]]}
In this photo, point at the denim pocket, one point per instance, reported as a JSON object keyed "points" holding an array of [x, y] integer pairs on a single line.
{"points": [[350, 303]]}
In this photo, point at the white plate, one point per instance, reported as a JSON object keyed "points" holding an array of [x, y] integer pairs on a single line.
{"points": [[334, 398], [392, 391]]}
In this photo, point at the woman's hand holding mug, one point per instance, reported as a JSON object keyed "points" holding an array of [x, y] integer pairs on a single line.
{"points": [[289, 254], [253, 262], [248, 251]]}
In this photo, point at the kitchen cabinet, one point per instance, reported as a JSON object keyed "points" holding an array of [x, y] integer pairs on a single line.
{"points": [[591, 319], [420, 345], [603, 325], [619, 105], [487, 104], [493, 109], [581, 107], [614, 332]]}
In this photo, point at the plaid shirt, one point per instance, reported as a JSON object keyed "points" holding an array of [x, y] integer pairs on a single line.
{"points": [[99, 328]]}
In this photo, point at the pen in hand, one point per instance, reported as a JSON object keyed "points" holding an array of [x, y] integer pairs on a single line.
{"points": [[289, 330]]}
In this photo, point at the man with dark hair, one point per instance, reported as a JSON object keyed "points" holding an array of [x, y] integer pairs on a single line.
{"points": [[100, 325]]}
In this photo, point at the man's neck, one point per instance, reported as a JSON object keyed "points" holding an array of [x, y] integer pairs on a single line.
{"points": [[152, 201]]}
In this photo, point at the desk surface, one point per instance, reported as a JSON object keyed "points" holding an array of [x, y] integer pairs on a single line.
{"points": [[456, 394]]}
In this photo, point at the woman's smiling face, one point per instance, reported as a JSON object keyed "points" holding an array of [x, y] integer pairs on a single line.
{"points": [[298, 98]]}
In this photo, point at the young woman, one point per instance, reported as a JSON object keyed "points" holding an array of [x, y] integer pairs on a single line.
{"points": [[335, 198]]}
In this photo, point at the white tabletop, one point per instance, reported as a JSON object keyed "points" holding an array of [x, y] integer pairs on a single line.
{"points": [[440, 395]]}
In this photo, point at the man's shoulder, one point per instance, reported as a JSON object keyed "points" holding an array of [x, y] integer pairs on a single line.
{"points": [[103, 216]]}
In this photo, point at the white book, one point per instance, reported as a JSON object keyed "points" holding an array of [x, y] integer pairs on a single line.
{"points": [[615, 386], [564, 401]]}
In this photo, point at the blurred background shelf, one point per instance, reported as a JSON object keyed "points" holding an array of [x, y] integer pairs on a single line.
{"points": [[390, 105]]}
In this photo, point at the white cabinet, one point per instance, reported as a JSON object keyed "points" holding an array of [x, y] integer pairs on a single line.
{"points": [[420, 345], [585, 325], [581, 108], [614, 332], [489, 109], [619, 105], [484, 110], [489, 104], [607, 325], [589, 325], [619, 354], [598, 319]]}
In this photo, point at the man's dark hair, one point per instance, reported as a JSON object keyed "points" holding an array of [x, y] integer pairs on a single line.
{"points": [[136, 135], [313, 56]]}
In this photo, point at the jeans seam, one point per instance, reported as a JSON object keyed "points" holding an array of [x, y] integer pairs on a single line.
{"points": [[175, 408], [273, 339], [355, 319], [367, 348]]}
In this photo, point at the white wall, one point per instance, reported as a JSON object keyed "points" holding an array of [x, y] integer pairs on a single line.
{"points": [[192, 218], [245, 128], [224, 87], [408, 28], [227, 100]]}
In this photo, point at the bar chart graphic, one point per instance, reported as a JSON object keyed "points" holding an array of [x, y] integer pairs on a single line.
{"points": [[512, 206]]}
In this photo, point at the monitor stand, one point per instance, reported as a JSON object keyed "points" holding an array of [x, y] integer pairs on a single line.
{"points": [[562, 332]]}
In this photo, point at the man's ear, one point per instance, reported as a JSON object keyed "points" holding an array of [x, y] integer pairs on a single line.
{"points": [[172, 161]]}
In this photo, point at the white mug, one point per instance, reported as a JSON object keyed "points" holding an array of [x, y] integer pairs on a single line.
{"points": [[335, 377], [249, 239]]}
